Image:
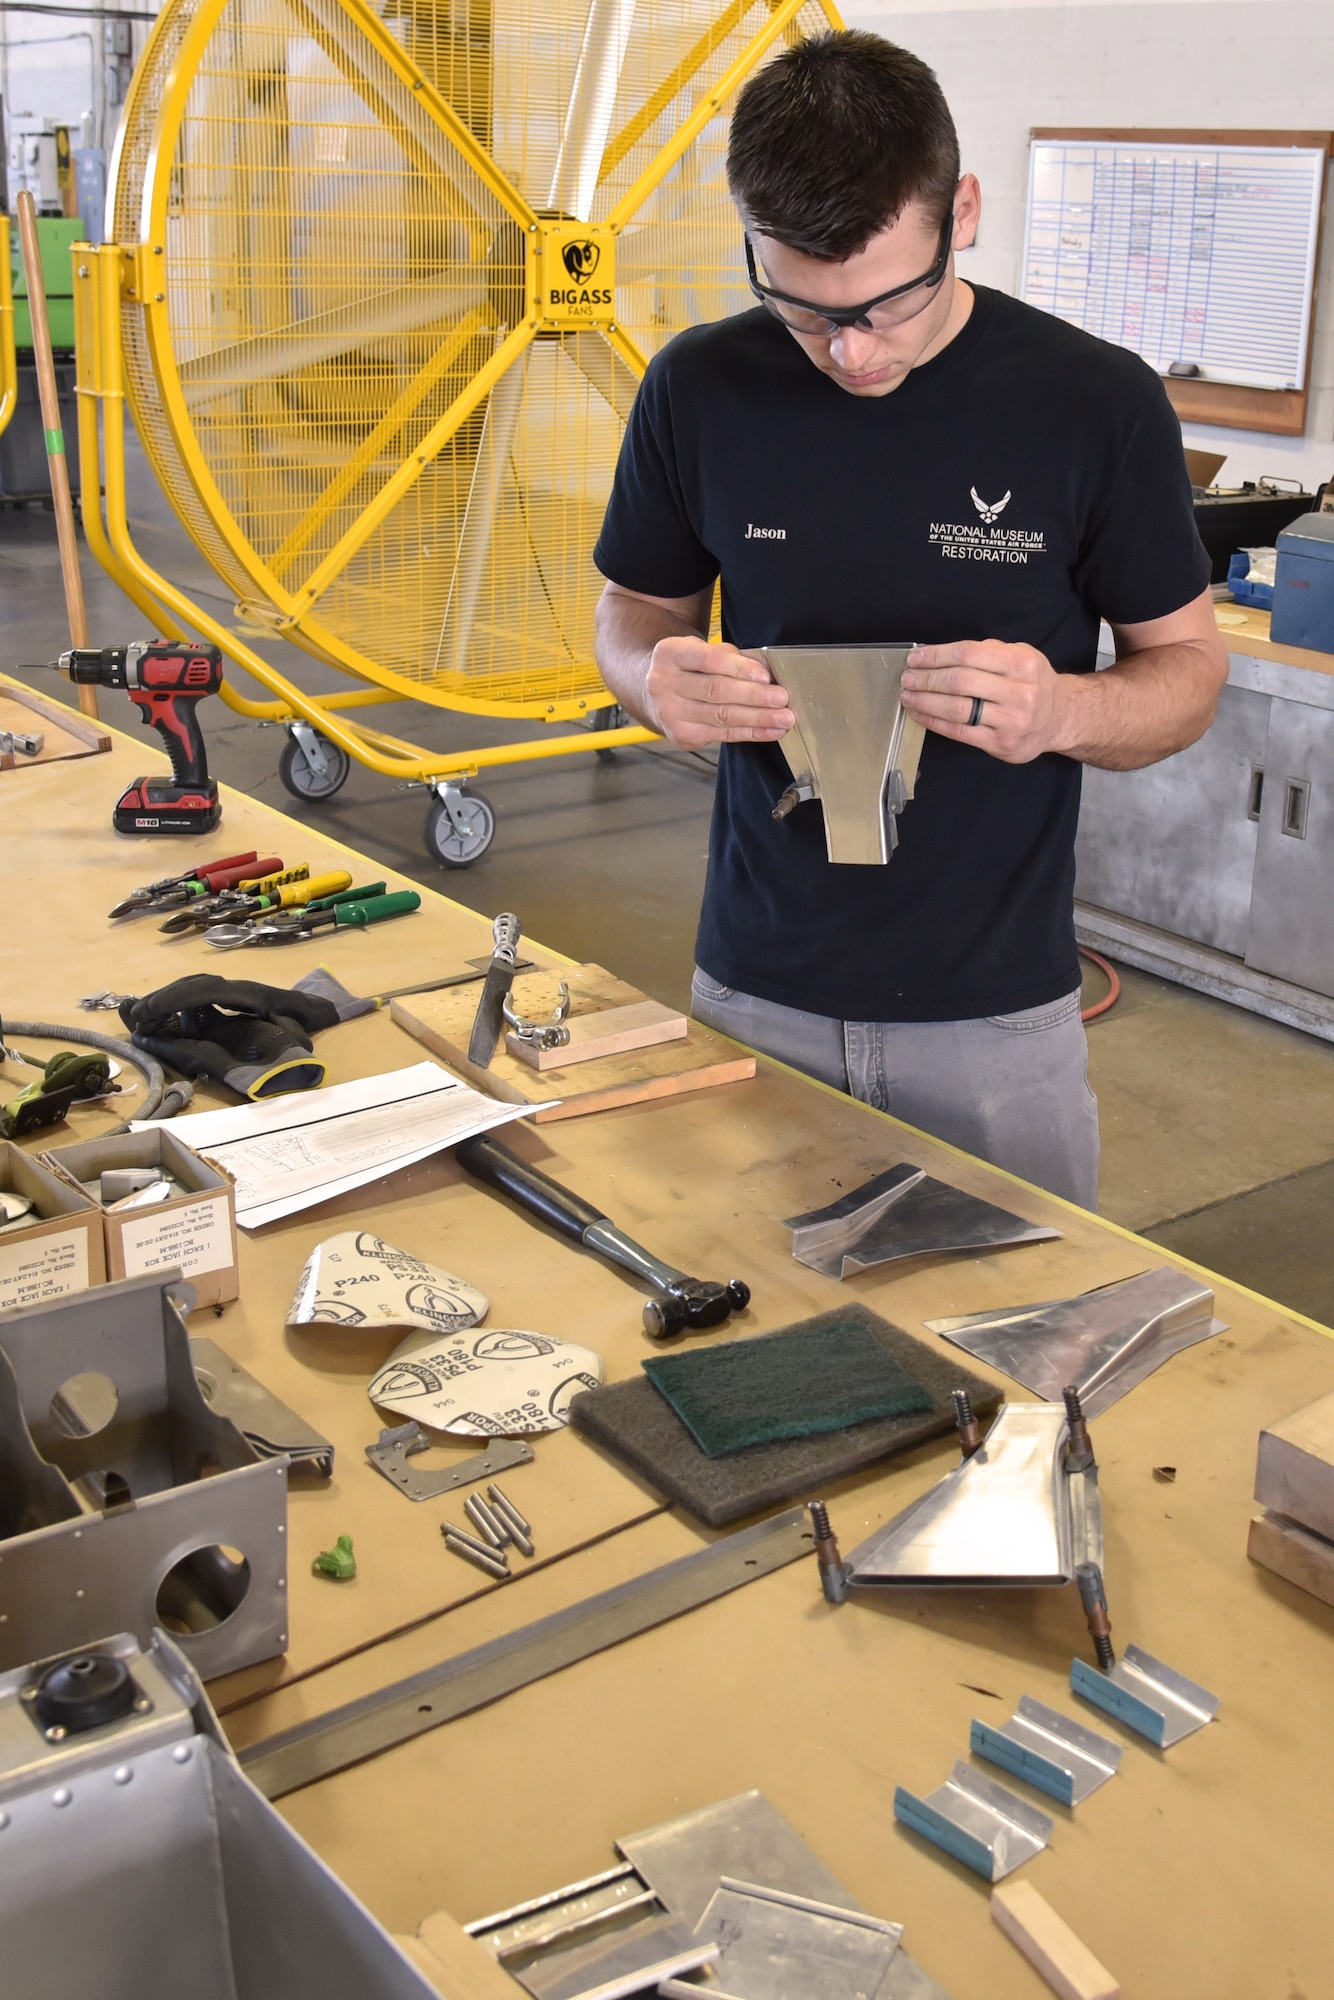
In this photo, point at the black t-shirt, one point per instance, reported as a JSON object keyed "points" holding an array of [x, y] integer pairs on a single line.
{"points": [[1023, 483]]}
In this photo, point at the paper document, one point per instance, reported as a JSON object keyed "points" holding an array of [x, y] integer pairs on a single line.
{"points": [[295, 1151]]}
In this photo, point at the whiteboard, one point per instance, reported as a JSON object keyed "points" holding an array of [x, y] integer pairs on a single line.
{"points": [[1201, 254]]}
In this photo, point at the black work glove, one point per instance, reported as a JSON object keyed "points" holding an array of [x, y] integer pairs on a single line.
{"points": [[253, 1038]]}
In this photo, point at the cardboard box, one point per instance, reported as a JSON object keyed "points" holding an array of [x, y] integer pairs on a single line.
{"points": [[59, 1247], [194, 1233]]}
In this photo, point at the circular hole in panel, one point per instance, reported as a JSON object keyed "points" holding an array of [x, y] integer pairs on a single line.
{"points": [[203, 1590], [84, 1405]]}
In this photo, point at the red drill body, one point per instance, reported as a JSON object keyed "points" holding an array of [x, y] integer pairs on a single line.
{"points": [[166, 681]]}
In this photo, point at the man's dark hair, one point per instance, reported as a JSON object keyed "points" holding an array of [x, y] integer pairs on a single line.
{"points": [[834, 138]]}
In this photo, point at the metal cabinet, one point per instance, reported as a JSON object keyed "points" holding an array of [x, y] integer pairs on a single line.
{"points": [[1227, 846], [1291, 928], [1174, 845]]}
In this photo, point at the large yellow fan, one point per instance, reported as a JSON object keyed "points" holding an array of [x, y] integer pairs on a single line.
{"points": [[385, 286]]}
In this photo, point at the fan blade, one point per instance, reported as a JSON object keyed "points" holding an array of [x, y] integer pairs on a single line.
{"points": [[309, 341], [488, 477], [646, 248], [614, 380], [588, 115]]}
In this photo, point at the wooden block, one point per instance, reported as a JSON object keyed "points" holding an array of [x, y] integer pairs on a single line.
{"points": [[1049, 1944], [1294, 1554], [469, 1971], [443, 1023], [641, 1025], [67, 732], [1294, 1470]]}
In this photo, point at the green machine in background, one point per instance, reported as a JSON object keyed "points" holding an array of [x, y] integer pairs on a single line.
{"points": [[55, 233], [23, 467]]}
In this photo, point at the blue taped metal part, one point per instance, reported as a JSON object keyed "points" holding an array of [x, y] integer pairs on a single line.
{"points": [[933, 1826], [1051, 1751], [1146, 1696]]}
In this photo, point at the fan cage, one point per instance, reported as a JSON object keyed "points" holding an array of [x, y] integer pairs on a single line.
{"points": [[337, 271]]}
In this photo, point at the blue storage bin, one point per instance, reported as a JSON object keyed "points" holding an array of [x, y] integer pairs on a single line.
{"points": [[1259, 594], [1304, 584]]}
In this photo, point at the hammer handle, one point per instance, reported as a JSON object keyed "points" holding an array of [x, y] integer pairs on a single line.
{"points": [[487, 1160]]}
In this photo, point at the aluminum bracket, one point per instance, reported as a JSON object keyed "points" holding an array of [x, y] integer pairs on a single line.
{"points": [[1048, 1750], [1146, 1696], [403, 1441], [1010, 1515], [977, 1821], [1104, 1342], [271, 1427], [774, 1943], [98, 1512], [854, 745], [903, 1212]]}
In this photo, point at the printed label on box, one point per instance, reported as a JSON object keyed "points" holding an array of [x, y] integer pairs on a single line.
{"points": [[31, 1273], [197, 1238]]}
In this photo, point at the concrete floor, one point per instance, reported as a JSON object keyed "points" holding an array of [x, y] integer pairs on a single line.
{"points": [[1218, 1127]]}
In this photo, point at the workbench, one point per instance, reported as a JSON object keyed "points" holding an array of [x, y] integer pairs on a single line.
{"points": [[1212, 867], [1202, 1871]]}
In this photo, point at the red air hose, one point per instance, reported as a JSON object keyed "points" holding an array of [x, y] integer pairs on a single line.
{"points": [[1113, 993]]}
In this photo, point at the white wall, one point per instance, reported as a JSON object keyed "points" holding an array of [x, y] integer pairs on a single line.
{"points": [[1183, 63]]}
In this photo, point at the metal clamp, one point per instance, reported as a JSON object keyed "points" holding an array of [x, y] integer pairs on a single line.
{"points": [[540, 1034], [27, 743]]}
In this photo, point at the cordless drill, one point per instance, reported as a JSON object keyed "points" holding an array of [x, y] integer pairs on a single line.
{"points": [[166, 682]]}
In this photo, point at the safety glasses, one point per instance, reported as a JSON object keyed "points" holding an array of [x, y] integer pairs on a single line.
{"points": [[877, 315]]}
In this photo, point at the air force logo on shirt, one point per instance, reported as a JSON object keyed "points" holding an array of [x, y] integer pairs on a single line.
{"points": [[981, 540]]}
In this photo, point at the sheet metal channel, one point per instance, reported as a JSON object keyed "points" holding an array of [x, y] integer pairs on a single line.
{"points": [[408, 1708]]}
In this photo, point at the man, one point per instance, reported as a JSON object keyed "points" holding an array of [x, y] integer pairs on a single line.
{"points": [[880, 452]]}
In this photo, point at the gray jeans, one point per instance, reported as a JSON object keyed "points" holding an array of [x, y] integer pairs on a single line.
{"points": [[1012, 1088]]}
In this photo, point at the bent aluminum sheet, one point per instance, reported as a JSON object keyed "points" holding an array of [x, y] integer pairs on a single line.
{"points": [[778, 1947], [851, 734], [1009, 1515], [1048, 1750], [1105, 1342], [977, 1821], [1146, 1696], [746, 1837], [903, 1212]]}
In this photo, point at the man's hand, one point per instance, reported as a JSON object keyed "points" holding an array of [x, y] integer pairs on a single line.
{"points": [[699, 693], [1025, 702], [1158, 697]]}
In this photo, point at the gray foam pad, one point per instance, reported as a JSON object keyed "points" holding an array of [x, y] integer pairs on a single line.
{"points": [[633, 1422]]}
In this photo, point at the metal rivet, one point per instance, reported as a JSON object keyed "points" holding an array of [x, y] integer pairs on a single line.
{"points": [[282, 1531], [56, 1733], [158, 297], [282, 1583], [182, 1753], [78, 1534], [121, 1775], [78, 1593], [4, 1821], [28, 1694], [157, 249], [62, 1797], [143, 1705]]}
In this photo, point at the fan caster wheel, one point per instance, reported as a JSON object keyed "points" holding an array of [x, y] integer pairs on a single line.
{"points": [[607, 718], [298, 769], [459, 838]]}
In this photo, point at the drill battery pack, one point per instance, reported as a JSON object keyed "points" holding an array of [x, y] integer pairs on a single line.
{"points": [[160, 805]]}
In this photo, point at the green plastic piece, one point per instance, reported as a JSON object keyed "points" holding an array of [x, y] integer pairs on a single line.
{"points": [[337, 1562], [55, 443]]}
